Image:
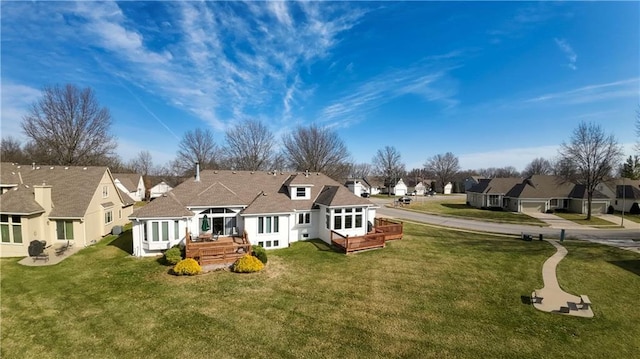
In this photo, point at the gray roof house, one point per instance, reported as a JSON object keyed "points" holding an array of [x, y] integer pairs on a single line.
{"points": [[273, 209], [538, 193]]}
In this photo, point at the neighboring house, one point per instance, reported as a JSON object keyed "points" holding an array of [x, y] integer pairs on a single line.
{"points": [[274, 209], [621, 193], [132, 184], [537, 193], [399, 189], [56, 204], [358, 186], [420, 189], [471, 181], [158, 187], [447, 188], [376, 184]]}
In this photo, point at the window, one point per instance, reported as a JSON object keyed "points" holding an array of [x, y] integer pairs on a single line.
{"points": [[108, 217], [328, 220], [553, 202], [494, 200], [337, 222], [301, 192], [176, 230], [261, 244], [155, 232], [304, 218], [268, 243], [64, 229], [276, 243], [105, 191], [268, 224], [348, 221], [358, 221], [119, 214], [165, 231], [11, 229]]}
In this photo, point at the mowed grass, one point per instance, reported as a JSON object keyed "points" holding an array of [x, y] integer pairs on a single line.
{"points": [[580, 218], [434, 294], [628, 216], [456, 206]]}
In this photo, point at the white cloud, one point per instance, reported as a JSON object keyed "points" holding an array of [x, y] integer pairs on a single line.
{"points": [[568, 51], [16, 99], [591, 93]]}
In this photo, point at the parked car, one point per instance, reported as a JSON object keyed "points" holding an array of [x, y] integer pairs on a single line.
{"points": [[404, 200], [431, 193], [364, 194]]}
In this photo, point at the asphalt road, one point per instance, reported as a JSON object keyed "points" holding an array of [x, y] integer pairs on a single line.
{"points": [[590, 234]]}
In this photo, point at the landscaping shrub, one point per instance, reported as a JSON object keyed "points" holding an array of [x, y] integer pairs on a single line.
{"points": [[562, 210], [247, 264], [173, 255], [259, 253], [610, 210], [635, 208], [187, 266], [550, 211]]}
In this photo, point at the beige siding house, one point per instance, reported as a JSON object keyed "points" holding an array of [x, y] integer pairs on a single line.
{"points": [[56, 204], [536, 193]]}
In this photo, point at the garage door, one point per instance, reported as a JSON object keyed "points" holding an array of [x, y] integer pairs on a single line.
{"points": [[532, 206], [598, 208]]}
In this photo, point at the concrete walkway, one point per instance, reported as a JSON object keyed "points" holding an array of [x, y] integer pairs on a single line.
{"points": [[551, 298], [554, 221], [618, 220]]}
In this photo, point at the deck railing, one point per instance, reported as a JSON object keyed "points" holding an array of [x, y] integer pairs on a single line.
{"points": [[357, 243], [224, 250]]}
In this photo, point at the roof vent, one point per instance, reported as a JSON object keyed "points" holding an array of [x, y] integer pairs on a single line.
{"points": [[216, 172], [234, 172], [51, 167], [66, 168], [252, 172], [84, 168], [264, 193]]}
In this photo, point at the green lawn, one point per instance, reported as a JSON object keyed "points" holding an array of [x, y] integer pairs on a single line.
{"points": [[457, 207], [630, 217], [582, 219], [434, 294]]}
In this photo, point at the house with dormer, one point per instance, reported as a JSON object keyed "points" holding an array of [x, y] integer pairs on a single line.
{"points": [[57, 204], [270, 209], [132, 184]]}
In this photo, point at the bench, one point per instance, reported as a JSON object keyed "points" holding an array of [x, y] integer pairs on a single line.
{"points": [[536, 298], [586, 303]]}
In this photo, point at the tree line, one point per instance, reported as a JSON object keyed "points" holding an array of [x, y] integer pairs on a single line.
{"points": [[68, 126]]}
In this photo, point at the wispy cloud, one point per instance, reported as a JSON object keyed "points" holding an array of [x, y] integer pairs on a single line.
{"points": [[210, 59], [429, 80], [568, 51], [591, 93], [15, 99], [523, 20]]}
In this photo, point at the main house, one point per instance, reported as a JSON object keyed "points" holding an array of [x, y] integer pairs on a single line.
{"points": [[538, 193], [56, 204], [272, 209]]}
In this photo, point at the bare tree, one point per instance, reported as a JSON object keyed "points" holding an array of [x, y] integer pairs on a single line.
{"points": [[593, 157], [538, 166], [249, 146], [11, 151], [498, 172], [316, 149], [360, 170], [142, 163], [444, 167], [388, 164], [196, 146], [67, 126]]}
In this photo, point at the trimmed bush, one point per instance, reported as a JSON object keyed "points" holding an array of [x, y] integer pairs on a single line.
{"points": [[187, 266], [259, 253], [173, 255], [610, 210], [247, 264], [550, 211], [635, 208]]}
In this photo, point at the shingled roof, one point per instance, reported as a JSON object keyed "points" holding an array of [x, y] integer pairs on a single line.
{"points": [[128, 180], [259, 192], [73, 187], [19, 200]]}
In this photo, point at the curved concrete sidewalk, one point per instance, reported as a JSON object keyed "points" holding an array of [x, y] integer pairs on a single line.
{"points": [[554, 299]]}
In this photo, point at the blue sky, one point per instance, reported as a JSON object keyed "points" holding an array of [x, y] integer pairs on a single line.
{"points": [[496, 83]]}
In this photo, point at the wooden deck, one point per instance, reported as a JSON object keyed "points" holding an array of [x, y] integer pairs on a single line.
{"points": [[223, 250], [384, 230]]}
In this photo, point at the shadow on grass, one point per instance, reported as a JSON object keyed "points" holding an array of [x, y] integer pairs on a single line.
{"points": [[456, 205], [632, 266], [124, 242], [525, 299], [322, 246]]}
